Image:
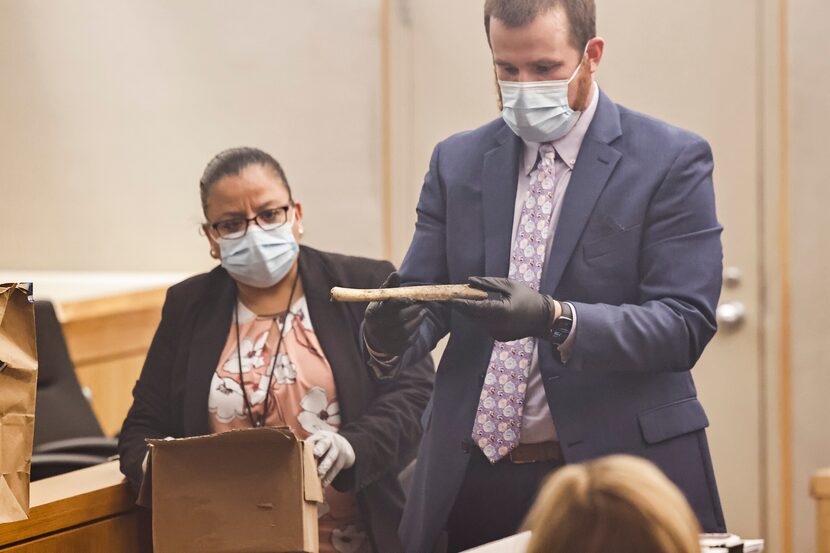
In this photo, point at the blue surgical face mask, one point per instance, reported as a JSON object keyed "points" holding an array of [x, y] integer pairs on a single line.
{"points": [[538, 111], [261, 258]]}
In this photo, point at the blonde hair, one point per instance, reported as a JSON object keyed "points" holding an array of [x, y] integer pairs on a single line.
{"points": [[618, 503]]}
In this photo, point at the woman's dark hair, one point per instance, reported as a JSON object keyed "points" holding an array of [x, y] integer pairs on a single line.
{"points": [[232, 162]]}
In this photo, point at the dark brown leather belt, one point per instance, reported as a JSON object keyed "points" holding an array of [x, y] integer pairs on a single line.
{"points": [[536, 453]]}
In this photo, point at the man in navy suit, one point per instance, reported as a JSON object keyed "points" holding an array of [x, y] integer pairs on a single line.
{"points": [[593, 230]]}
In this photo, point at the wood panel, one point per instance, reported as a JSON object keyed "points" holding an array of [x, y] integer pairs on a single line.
{"points": [[111, 327], [108, 339], [73, 499], [127, 533], [112, 304], [111, 383], [820, 490]]}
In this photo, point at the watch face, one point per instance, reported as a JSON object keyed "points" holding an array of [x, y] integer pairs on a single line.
{"points": [[561, 329]]}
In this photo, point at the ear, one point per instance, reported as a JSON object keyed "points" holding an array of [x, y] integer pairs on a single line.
{"points": [[579, 89], [593, 53], [298, 221], [214, 245]]}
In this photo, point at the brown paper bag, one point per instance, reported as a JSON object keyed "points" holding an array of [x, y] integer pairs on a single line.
{"points": [[18, 384]]}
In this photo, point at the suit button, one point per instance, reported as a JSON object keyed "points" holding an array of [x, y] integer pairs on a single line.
{"points": [[465, 446]]}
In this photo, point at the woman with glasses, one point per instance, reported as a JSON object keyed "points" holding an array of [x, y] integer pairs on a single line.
{"points": [[256, 342]]}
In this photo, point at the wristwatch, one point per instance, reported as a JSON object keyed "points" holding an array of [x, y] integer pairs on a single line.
{"points": [[561, 327]]}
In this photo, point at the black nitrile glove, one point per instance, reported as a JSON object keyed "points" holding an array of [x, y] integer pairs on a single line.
{"points": [[515, 312], [391, 326]]}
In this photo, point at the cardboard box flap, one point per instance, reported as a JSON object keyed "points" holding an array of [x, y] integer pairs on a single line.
{"points": [[311, 482], [145, 491], [239, 437]]}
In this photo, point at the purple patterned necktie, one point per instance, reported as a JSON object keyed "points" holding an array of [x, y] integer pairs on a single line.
{"points": [[499, 416]]}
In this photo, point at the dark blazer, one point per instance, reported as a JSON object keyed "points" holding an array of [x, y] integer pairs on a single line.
{"points": [[381, 420], [637, 250]]}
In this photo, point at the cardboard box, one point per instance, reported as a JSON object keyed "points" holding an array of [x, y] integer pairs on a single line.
{"points": [[251, 491]]}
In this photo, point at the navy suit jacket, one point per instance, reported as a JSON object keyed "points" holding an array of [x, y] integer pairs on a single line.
{"points": [[637, 251]]}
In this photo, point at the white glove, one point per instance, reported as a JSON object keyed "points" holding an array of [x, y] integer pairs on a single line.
{"points": [[334, 453]]}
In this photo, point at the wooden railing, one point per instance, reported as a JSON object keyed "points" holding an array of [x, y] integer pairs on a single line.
{"points": [[820, 490], [86, 510], [108, 340]]}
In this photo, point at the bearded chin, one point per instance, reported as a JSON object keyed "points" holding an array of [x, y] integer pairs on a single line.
{"points": [[583, 84]]}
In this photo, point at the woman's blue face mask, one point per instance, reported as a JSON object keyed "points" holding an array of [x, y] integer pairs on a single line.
{"points": [[261, 258]]}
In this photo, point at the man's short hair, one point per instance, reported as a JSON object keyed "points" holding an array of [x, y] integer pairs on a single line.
{"points": [[582, 15]]}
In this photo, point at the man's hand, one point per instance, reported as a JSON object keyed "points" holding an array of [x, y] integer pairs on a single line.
{"points": [[334, 453], [391, 326], [515, 312]]}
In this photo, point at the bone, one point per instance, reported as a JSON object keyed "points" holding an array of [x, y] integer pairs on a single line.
{"points": [[444, 292]]}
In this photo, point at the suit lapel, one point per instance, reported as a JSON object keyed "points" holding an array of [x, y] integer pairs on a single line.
{"points": [[209, 336], [594, 166], [499, 182], [335, 331]]}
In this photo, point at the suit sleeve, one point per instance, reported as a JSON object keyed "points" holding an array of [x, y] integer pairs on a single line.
{"points": [[681, 264], [150, 416], [425, 263], [385, 438]]}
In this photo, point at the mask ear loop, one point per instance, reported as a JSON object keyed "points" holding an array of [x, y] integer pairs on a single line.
{"points": [[582, 61]]}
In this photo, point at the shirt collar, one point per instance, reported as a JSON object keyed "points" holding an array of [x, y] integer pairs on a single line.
{"points": [[568, 146]]}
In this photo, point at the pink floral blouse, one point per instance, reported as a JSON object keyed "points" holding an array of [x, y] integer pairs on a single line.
{"points": [[303, 397]]}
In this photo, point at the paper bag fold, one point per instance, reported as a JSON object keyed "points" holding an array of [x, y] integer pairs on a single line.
{"points": [[18, 385]]}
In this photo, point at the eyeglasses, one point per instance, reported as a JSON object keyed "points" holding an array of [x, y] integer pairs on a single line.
{"points": [[270, 219]]}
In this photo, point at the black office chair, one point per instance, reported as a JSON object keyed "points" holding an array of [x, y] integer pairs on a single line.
{"points": [[67, 434]]}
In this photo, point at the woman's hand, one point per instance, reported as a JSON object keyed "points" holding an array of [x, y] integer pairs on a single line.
{"points": [[334, 453]]}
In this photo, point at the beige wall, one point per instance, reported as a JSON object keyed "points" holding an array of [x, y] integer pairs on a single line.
{"points": [[110, 110], [809, 188], [441, 84]]}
